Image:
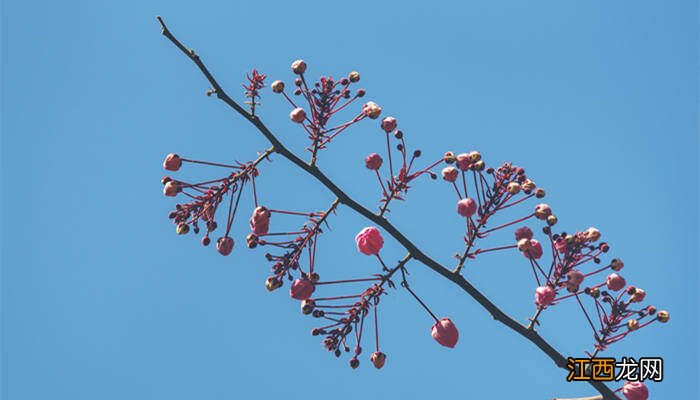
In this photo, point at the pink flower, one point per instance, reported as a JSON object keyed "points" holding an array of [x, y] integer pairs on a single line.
{"points": [[542, 211], [535, 250], [544, 295], [450, 174], [260, 221], [172, 188], [523, 233], [615, 282], [369, 241], [466, 207], [464, 161], [172, 162], [389, 124], [299, 67], [638, 295], [373, 161], [378, 359], [635, 391], [301, 289], [560, 244], [297, 115], [372, 110], [576, 277], [445, 333], [224, 245]]}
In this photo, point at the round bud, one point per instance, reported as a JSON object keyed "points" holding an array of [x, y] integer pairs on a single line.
{"points": [[663, 316], [297, 115], [373, 161], [450, 174], [272, 283], [449, 157], [307, 306], [539, 193], [277, 86], [299, 67], [378, 359], [632, 324], [389, 124], [616, 264], [514, 188], [354, 76], [371, 110], [182, 229], [552, 220]]}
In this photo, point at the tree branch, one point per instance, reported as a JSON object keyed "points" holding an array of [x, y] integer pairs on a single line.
{"points": [[529, 334]]}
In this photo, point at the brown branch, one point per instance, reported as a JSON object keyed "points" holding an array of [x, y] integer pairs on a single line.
{"points": [[529, 334]]}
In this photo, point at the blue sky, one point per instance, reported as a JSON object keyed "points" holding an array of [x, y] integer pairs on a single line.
{"points": [[100, 299]]}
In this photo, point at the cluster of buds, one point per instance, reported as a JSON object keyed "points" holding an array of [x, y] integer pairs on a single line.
{"points": [[324, 99], [397, 184], [206, 198]]}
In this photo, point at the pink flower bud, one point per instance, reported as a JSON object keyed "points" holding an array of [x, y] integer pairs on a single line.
{"points": [[523, 233], [638, 295], [301, 289], [635, 391], [616, 264], [172, 162], [535, 250], [542, 211], [615, 282], [369, 241], [378, 359], [450, 174], [544, 295], [224, 245], [389, 124], [373, 161], [524, 244], [172, 188], [297, 115], [445, 333], [299, 67], [576, 277], [560, 244], [464, 161], [260, 221], [663, 316], [466, 207], [514, 188], [277, 86], [592, 234], [354, 76], [372, 110]]}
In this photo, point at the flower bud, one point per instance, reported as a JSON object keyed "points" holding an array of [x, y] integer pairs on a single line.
{"points": [[635, 391], [449, 157], [523, 233], [552, 220], [224, 245], [632, 324], [299, 67], [277, 86], [474, 156], [616, 264], [615, 282], [539, 193], [165, 180], [638, 295], [572, 287], [663, 316], [206, 240], [463, 161], [301, 289], [172, 188], [369, 241], [535, 251], [389, 124], [445, 333], [251, 240], [354, 76], [542, 211], [182, 228], [594, 292], [450, 174], [373, 161], [378, 359], [524, 244], [260, 221], [371, 110], [354, 363], [273, 283], [314, 277], [514, 188], [528, 186], [575, 276], [479, 165], [297, 115], [172, 162], [307, 306], [592, 234], [466, 207], [544, 295]]}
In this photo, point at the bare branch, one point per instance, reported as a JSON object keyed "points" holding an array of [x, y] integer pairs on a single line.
{"points": [[497, 314]]}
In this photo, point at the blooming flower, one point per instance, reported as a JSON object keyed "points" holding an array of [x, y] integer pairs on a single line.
{"points": [[544, 295], [635, 391], [172, 162], [373, 161], [369, 241], [615, 282], [523, 233], [534, 251], [301, 289], [372, 110], [445, 333], [466, 207]]}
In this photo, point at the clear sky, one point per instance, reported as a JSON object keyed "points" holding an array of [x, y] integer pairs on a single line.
{"points": [[101, 300]]}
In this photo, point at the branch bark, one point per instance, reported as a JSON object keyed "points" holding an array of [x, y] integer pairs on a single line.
{"points": [[497, 314]]}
